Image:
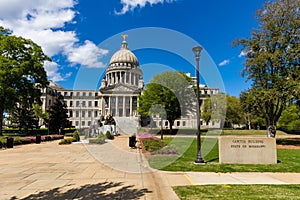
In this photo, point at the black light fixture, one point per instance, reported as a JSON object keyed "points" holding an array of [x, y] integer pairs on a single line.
{"points": [[197, 51]]}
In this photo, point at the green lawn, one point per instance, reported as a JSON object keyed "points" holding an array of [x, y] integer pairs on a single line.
{"points": [[239, 192], [288, 160], [250, 132]]}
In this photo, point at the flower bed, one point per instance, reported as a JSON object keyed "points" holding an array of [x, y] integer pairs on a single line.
{"points": [[156, 146]]}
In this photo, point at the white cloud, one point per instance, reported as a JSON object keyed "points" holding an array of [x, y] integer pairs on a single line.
{"points": [[242, 54], [43, 21], [52, 72], [224, 62], [91, 53], [130, 5]]}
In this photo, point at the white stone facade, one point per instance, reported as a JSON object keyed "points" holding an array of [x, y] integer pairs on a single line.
{"points": [[117, 95]]}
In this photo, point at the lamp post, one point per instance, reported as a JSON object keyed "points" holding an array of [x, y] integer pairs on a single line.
{"points": [[197, 51], [161, 118]]}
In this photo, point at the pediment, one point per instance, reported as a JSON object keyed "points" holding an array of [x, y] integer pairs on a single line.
{"points": [[120, 88]]}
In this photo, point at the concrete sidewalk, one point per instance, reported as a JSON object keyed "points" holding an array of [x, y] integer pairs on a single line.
{"points": [[210, 178], [52, 171]]}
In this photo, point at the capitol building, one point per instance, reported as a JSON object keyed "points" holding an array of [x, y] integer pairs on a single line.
{"points": [[117, 96]]}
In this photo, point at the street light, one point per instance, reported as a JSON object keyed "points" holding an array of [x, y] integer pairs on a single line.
{"points": [[161, 118], [197, 51]]}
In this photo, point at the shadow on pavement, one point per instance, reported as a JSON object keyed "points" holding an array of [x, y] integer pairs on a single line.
{"points": [[91, 191]]}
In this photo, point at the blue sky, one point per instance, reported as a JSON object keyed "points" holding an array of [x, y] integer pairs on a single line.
{"points": [[80, 36]]}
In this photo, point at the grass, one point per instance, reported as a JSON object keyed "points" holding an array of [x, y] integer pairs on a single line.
{"points": [[261, 192], [237, 132], [288, 160]]}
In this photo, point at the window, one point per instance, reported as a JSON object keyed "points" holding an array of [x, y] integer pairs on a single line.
{"points": [[96, 113], [90, 94], [71, 103], [89, 123], [77, 103], [178, 123], [65, 93], [71, 113], [71, 94], [96, 103], [83, 94], [78, 94], [83, 113], [90, 103], [89, 113], [166, 123], [96, 94], [83, 103], [183, 123], [83, 123], [77, 113], [77, 123]]}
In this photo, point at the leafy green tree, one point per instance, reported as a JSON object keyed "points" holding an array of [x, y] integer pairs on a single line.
{"points": [[233, 110], [272, 59], [170, 94], [206, 110], [58, 116], [22, 75], [42, 116], [24, 119], [290, 117]]}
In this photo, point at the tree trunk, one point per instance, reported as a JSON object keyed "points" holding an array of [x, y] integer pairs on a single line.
{"points": [[1, 123], [171, 122]]}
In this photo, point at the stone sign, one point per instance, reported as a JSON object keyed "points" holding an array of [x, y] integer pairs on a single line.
{"points": [[247, 150]]}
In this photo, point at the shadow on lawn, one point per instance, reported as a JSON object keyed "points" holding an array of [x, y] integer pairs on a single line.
{"points": [[91, 191]]}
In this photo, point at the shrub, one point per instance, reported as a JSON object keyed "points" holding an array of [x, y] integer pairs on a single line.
{"points": [[56, 137], [2, 142], [109, 136], [25, 140], [169, 149], [66, 141], [151, 144], [76, 136], [99, 140]]}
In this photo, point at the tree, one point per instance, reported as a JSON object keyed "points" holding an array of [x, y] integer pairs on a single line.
{"points": [[290, 117], [233, 110], [42, 116], [58, 116], [206, 110], [272, 59], [22, 75], [173, 92], [24, 119]]}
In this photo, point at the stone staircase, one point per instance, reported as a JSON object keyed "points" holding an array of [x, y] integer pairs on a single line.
{"points": [[126, 125]]}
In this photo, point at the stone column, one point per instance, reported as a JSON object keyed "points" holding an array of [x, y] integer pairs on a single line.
{"points": [[109, 104], [130, 78], [130, 105], [124, 108], [109, 78], [117, 106]]}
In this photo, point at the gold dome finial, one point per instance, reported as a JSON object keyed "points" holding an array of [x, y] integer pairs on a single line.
{"points": [[124, 43], [124, 36]]}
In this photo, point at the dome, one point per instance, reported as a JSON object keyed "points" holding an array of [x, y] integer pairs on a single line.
{"points": [[124, 55]]}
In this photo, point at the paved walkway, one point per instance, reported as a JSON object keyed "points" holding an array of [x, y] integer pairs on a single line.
{"points": [[108, 171]]}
